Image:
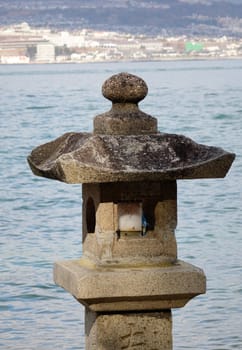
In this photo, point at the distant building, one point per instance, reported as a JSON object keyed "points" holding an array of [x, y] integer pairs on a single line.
{"points": [[45, 53], [14, 59], [193, 47]]}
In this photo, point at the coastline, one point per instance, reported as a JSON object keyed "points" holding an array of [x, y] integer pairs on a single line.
{"points": [[164, 59]]}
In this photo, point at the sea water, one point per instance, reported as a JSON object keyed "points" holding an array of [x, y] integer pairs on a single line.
{"points": [[41, 219]]}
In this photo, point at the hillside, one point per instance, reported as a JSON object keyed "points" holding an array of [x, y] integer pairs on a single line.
{"points": [[167, 17]]}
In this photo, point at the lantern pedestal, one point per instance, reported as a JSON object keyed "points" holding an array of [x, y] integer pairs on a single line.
{"points": [[111, 289], [129, 307]]}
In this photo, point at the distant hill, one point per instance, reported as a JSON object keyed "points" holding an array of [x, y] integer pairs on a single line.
{"points": [[166, 17]]}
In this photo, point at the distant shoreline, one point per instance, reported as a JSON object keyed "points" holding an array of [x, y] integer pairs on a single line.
{"points": [[173, 59]]}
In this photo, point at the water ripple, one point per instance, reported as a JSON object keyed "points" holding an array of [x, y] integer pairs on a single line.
{"points": [[41, 219]]}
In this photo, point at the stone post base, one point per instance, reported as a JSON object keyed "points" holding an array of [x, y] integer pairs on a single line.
{"points": [[128, 330]]}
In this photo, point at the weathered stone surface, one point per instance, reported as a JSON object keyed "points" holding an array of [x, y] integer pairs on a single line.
{"points": [[136, 331], [126, 146], [125, 118], [103, 239], [128, 169], [130, 288], [124, 88], [87, 158]]}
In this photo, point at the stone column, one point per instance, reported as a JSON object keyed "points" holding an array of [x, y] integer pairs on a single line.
{"points": [[128, 330], [129, 277]]}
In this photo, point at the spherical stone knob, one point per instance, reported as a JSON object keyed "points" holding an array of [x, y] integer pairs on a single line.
{"points": [[124, 88], [125, 118]]}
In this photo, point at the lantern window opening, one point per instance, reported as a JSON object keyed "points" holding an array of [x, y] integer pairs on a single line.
{"points": [[131, 218], [90, 215]]}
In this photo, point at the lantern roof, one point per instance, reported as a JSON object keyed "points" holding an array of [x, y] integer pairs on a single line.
{"points": [[126, 146]]}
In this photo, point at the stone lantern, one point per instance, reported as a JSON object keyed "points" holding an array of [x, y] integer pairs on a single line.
{"points": [[129, 277]]}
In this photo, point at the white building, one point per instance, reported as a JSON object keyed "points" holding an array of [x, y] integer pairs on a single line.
{"points": [[45, 53], [14, 59]]}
